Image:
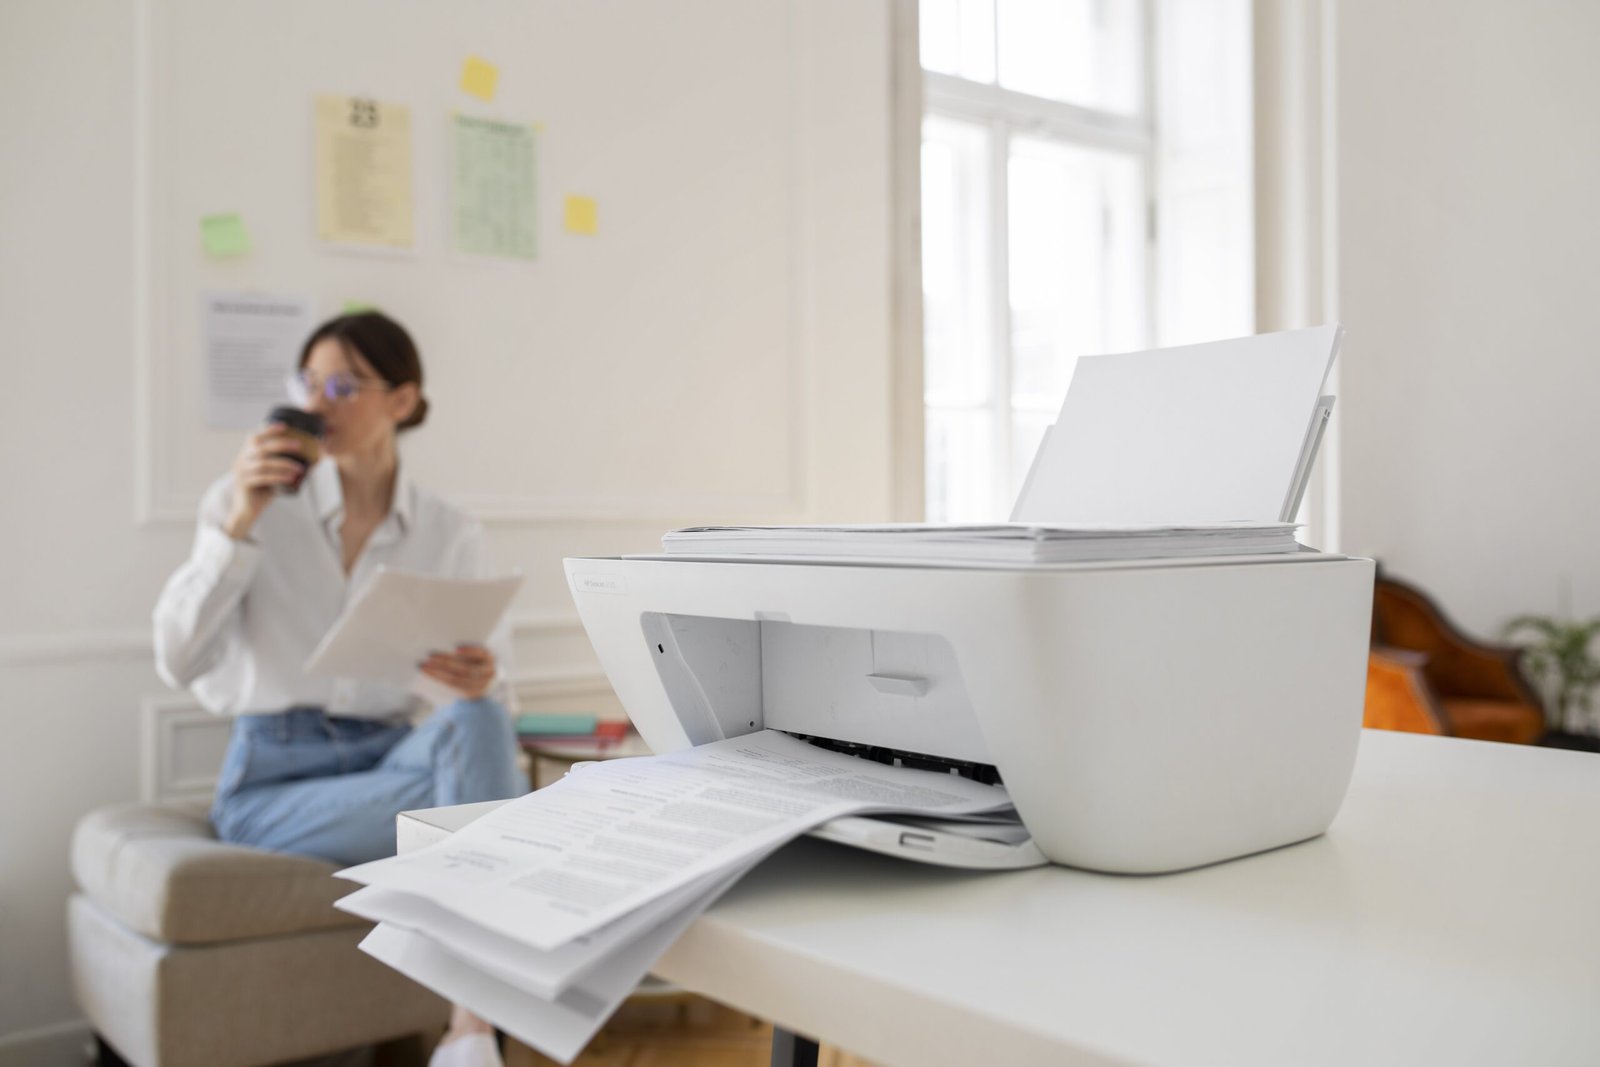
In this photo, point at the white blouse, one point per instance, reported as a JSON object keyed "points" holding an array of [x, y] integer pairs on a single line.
{"points": [[236, 623]]}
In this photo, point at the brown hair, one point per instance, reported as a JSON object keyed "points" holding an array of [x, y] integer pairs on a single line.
{"points": [[383, 343]]}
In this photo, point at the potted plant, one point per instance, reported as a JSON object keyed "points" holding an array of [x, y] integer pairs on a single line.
{"points": [[1561, 659]]}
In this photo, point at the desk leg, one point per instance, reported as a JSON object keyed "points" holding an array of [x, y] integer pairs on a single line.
{"points": [[789, 1049]]}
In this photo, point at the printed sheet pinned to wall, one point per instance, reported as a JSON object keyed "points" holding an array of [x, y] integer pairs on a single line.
{"points": [[364, 177], [494, 188], [251, 343]]}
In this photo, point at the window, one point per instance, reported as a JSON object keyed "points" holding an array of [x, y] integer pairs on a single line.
{"points": [[1085, 189]]}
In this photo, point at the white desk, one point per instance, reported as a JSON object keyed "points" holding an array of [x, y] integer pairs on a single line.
{"points": [[1450, 916]]}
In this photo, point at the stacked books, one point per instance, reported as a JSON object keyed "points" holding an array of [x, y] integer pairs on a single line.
{"points": [[551, 729], [1006, 543]]}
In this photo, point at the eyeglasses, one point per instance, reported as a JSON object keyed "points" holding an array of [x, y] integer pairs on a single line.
{"points": [[337, 387]]}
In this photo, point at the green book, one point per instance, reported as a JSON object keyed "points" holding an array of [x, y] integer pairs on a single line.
{"points": [[547, 724]]}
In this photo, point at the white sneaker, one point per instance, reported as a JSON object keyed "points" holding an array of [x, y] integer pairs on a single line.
{"points": [[469, 1050]]}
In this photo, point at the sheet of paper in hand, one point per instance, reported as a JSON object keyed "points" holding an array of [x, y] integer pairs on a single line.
{"points": [[398, 617]]}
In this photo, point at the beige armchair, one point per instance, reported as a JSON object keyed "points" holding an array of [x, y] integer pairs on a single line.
{"points": [[188, 952]]}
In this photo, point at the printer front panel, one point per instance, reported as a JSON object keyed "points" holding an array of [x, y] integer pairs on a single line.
{"points": [[1144, 719], [687, 646], [885, 688], [710, 670]]}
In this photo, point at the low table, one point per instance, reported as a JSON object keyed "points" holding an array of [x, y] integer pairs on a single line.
{"points": [[1450, 916], [549, 760]]}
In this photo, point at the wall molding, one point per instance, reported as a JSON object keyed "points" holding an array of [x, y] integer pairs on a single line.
{"points": [[1295, 80], [136, 643], [58, 1045], [529, 622], [656, 514], [28, 650], [547, 685], [162, 720], [908, 457]]}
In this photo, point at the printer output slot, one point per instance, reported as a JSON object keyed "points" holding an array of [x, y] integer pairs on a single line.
{"points": [[978, 772]]}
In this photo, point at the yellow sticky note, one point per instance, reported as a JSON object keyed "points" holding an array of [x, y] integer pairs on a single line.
{"points": [[478, 77], [582, 215], [224, 235]]}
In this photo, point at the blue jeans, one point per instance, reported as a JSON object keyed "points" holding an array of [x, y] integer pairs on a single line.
{"points": [[300, 781]]}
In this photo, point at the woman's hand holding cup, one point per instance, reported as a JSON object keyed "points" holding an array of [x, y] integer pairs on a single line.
{"points": [[262, 466], [272, 461]]}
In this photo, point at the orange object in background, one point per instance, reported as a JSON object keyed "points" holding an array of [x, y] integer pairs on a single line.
{"points": [[1425, 676]]}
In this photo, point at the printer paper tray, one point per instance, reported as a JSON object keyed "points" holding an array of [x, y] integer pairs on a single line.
{"points": [[927, 844], [1305, 555]]}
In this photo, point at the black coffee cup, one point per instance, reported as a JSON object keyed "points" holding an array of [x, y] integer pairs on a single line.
{"points": [[308, 426]]}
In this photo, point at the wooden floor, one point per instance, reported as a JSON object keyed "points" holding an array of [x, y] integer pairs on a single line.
{"points": [[661, 1030], [677, 1030]]}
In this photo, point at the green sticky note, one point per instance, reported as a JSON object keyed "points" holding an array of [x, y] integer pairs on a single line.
{"points": [[224, 235], [351, 307]]}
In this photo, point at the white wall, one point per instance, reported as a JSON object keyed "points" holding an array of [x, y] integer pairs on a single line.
{"points": [[1469, 168], [94, 215]]}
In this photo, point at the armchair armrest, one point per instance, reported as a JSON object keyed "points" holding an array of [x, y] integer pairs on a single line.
{"points": [[1458, 665]]}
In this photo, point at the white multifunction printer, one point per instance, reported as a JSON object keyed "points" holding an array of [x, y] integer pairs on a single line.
{"points": [[1144, 715]]}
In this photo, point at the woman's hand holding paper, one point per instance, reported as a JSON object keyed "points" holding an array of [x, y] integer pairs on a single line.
{"points": [[469, 670]]}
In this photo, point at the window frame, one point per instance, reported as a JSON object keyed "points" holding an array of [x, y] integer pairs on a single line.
{"points": [[1004, 114]]}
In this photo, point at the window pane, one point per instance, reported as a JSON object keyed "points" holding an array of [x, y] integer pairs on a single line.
{"points": [[1077, 244], [960, 479], [955, 274], [1206, 266], [1084, 52], [957, 37]]}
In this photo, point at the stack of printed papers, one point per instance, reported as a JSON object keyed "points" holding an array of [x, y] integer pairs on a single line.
{"points": [[1011, 542], [543, 915]]}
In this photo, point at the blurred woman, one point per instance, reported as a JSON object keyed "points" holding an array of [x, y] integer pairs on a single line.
{"points": [[321, 766]]}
